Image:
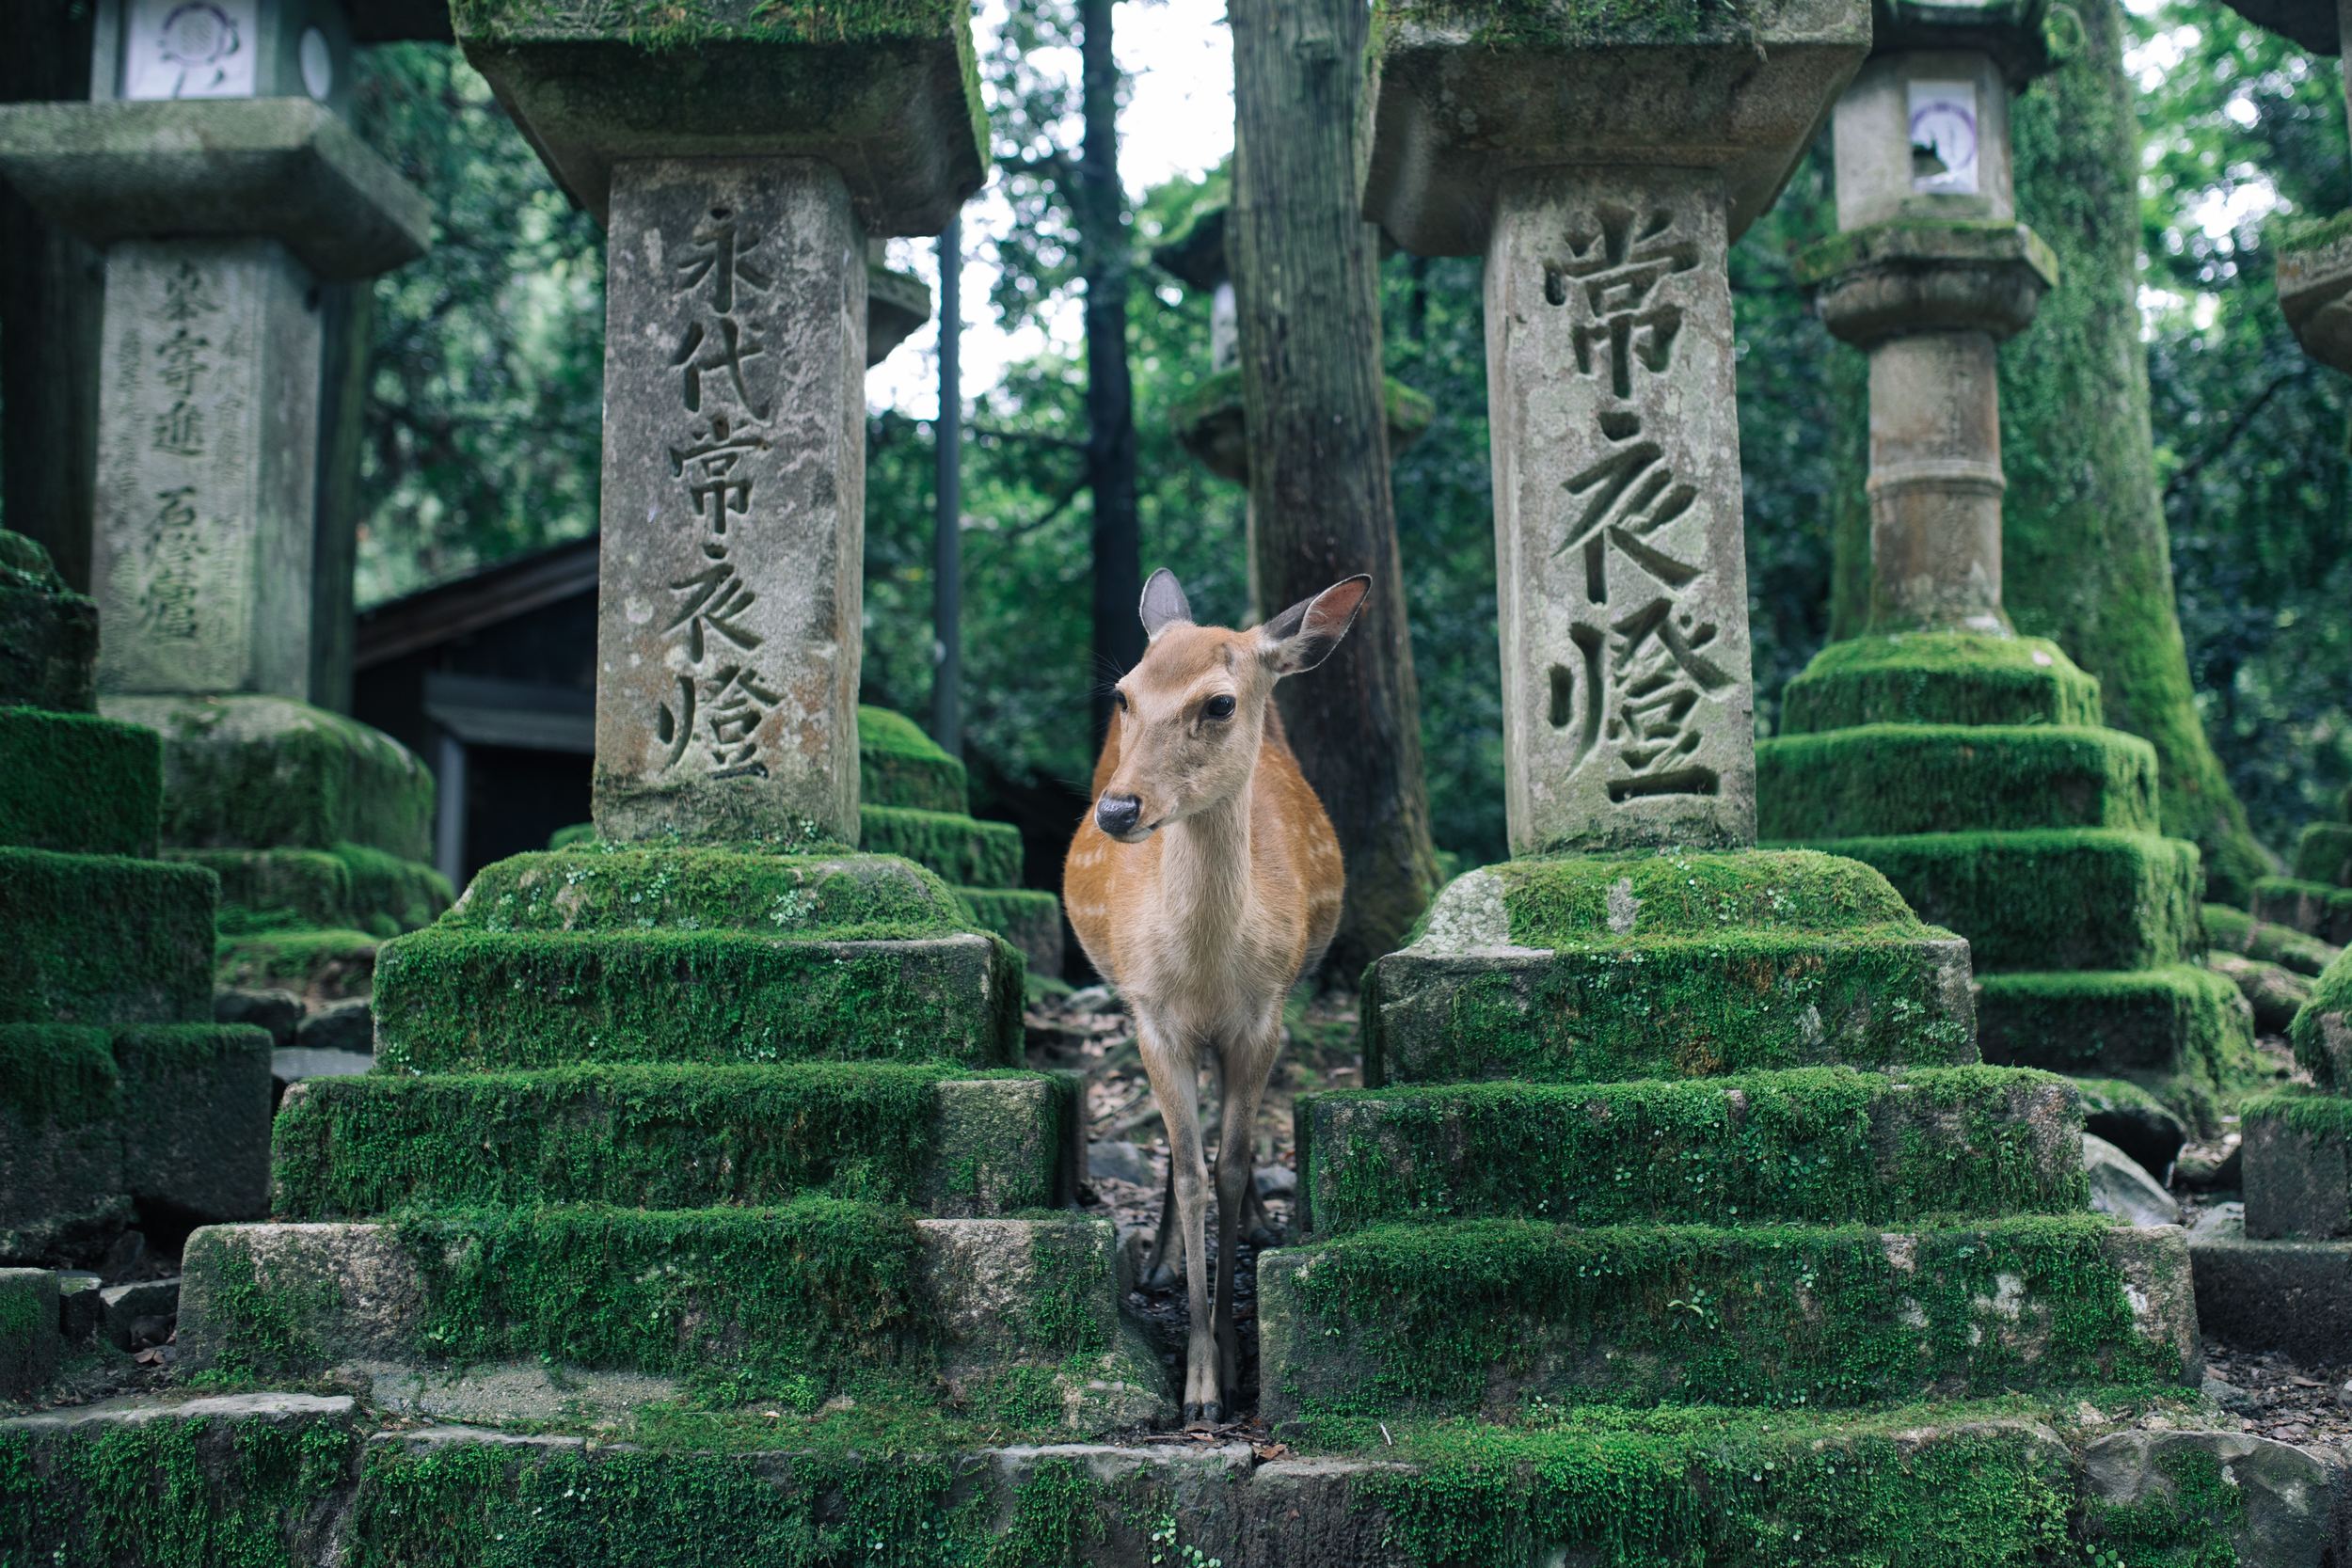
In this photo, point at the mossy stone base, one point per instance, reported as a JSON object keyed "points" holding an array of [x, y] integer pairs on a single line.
{"points": [[790, 1302], [596, 886], [196, 1117], [2298, 1166], [2292, 1295], [78, 782], [254, 773], [2235, 931], [48, 643], [1027, 917], [29, 1341], [2063, 898], [673, 1137], [324, 966], [1885, 779], [900, 765], [1821, 1146], [61, 1186], [1484, 1316], [2315, 909], [104, 938], [2321, 1034], [2324, 854], [964, 851], [1939, 678], [346, 888], [2180, 1031]]}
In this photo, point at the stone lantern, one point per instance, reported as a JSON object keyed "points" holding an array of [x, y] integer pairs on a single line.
{"points": [[897, 303]]}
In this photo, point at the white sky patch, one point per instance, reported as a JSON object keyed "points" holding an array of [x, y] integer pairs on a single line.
{"points": [[1178, 119]]}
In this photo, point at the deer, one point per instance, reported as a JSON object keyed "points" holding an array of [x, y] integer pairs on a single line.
{"points": [[1205, 880]]}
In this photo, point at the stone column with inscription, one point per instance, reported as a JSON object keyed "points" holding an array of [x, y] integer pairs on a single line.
{"points": [[212, 163], [1585, 1040]]}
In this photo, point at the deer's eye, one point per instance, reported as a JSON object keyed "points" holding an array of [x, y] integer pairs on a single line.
{"points": [[1118, 699], [1217, 708]]}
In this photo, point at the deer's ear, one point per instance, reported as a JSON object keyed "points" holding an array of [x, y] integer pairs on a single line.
{"points": [[1304, 635], [1164, 604]]}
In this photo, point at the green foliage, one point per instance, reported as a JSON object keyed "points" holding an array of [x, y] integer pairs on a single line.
{"points": [[1884, 779], [2190, 1517], [78, 782], [257, 772], [1824, 1145]]}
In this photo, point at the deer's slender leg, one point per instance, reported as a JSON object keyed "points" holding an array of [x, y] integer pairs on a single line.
{"points": [[1245, 1064], [1157, 1274], [1172, 1065]]}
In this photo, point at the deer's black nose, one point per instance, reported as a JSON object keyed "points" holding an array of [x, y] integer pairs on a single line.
{"points": [[1117, 813]]}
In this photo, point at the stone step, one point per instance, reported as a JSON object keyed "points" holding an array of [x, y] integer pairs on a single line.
{"points": [[1481, 1317], [78, 782], [2323, 853], [104, 938], [2061, 899], [2291, 1294], [2235, 931], [964, 851], [2321, 1034], [2298, 1166], [2315, 909], [1939, 678], [2177, 1031], [278, 1476], [92, 1121], [464, 1311], [900, 765], [594, 886], [1814, 1145], [657, 1136], [453, 1000], [346, 888], [1029, 918], [1885, 779]]}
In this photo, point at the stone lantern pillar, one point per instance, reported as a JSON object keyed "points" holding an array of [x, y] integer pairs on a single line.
{"points": [[214, 165]]}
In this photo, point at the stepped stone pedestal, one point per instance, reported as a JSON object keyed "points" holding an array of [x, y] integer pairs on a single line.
{"points": [[708, 1107], [213, 166], [119, 1098], [1965, 763], [2316, 898]]}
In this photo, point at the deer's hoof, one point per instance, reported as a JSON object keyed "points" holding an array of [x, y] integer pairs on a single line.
{"points": [[1204, 1416], [1161, 1278]]}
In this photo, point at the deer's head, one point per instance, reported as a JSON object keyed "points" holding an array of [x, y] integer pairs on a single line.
{"points": [[1192, 713]]}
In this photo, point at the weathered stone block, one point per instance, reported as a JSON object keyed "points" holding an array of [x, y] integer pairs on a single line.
{"points": [[78, 782], [1824, 1145], [2084, 899], [104, 938], [347, 888], [728, 644], [2298, 1167], [671, 1137], [964, 851], [1480, 1317], [2322, 1032], [608, 887], [2275, 994], [1470, 95], [2293, 1297], [2175, 1030], [2315, 909], [884, 92], [280, 168], [258, 772], [2259, 1500], [1939, 677], [48, 636], [803, 1296], [320, 965], [1666, 966], [1885, 779], [2235, 931], [900, 765], [29, 1341], [61, 1183], [464, 1001], [2315, 292], [1919, 274], [1028, 918], [2324, 853], [196, 1113]]}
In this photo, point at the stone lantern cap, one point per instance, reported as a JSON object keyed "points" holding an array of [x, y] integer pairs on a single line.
{"points": [[2315, 289], [1471, 92], [2313, 24], [2013, 32], [1197, 257], [280, 168], [1928, 274], [896, 304], [884, 90]]}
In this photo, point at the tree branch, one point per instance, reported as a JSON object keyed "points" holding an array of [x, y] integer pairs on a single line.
{"points": [[2237, 427], [1061, 504]]}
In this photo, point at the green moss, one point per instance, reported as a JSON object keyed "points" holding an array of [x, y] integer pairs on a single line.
{"points": [[900, 765], [605, 887], [2322, 1032], [2189, 1518], [659, 1137], [448, 999], [2315, 909], [48, 635], [335, 963], [577, 836], [2182, 1031], [1929, 240], [2324, 853], [265, 1328], [1884, 779], [2301, 231], [57, 1074], [2235, 931], [223, 1491], [966, 852], [1824, 1145], [78, 782], [1021, 915], [1625, 900], [104, 938], [349, 886], [1938, 678], [1494, 1314], [2087, 899], [1546, 25]]}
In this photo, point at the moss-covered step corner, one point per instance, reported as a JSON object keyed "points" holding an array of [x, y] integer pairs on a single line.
{"points": [[1939, 678], [2321, 1034], [1666, 965], [482, 1313], [659, 1136], [1880, 779], [104, 938], [2229, 931], [604, 954], [48, 633], [2316, 908], [2181, 1031], [964, 851], [273, 1479], [78, 782], [900, 765]]}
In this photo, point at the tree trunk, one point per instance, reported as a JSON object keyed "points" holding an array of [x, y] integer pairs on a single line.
{"points": [[51, 290], [1102, 221], [2086, 559], [1305, 279]]}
